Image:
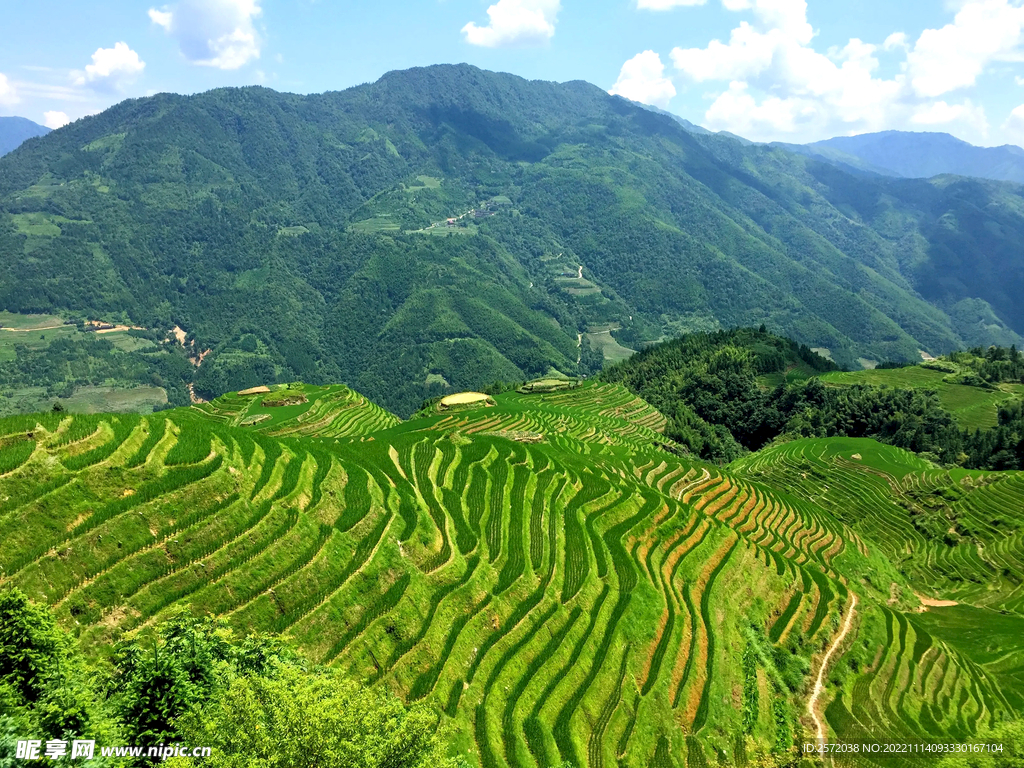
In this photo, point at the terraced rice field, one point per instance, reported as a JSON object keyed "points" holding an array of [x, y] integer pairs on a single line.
{"points": [[956, 537], [328, 412], [578, 595], [599, 413]]}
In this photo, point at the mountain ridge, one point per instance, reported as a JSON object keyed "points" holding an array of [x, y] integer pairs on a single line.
{"points": [[305, 237], [920, 154]]}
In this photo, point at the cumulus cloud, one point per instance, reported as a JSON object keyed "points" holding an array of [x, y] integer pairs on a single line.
{"points": [[515, 22], [941, 113], [212, 33], [55, 120], [895, 40], [1015, 123], [665, 5], [7, 93], [781, 87], [111, 68], [642, 79], [952, 57]]}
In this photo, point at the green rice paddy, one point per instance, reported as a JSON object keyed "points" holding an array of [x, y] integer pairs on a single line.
{"points": [[539, 570]]}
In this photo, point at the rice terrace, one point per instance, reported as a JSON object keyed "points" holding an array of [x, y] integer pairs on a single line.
{"points": [[560, 599], [450, 418]]}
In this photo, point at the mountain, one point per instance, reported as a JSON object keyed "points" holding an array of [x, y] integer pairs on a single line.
{"points": [[16, 130], [537, 567], [921, 156], [446, 227]]}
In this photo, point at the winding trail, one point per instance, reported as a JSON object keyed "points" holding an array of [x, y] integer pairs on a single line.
{"points": [[819, 684]]}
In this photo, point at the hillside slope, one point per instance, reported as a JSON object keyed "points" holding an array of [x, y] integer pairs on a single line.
{"points": [[308, 237], [536, 568]]}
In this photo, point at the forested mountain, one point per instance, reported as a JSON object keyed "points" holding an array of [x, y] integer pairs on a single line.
{"points": [[15, 130], [291, 235], [919, 155]]}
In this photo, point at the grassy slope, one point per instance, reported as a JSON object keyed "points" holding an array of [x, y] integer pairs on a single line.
{"points": [[586, 597]]}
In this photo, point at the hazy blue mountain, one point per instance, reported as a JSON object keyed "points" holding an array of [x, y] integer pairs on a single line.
{"points": [[15, 130], [919, 155]]}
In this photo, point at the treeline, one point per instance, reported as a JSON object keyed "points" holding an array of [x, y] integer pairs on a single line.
{"points": [[994, 365], [253, 700], [708, 386]]}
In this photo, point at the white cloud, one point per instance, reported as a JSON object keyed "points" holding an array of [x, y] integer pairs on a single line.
{"points": [[162, 18], [55, 120], [7, 93], [941, 113], [895, 40], [111, 68], [212, 33], [947, 59], [642, 79], [515, 22], [748, 52], [665, 5], [780, 87], [1015, 124]]}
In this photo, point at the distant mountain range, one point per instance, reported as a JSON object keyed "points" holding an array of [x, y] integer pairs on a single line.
{"points": [[917, 156], [16, 130], [446, 227], [903, 154]]}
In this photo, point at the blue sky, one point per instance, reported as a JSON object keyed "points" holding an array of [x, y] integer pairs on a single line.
{"points": [[785, 70]]}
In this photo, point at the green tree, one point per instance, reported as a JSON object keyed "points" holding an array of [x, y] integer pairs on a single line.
{"points": [[296, 719], [32, 647], [1008, 736]]}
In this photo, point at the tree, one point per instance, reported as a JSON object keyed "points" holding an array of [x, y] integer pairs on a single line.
{"points": [[159, 682], [45, 688], [296, 719], [1009, 736], [31, 644]]}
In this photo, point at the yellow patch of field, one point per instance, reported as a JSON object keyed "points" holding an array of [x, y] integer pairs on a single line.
{"points": [[462, 398], [255, 391]]}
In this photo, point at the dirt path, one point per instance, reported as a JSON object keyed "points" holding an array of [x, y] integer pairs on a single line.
{"points": [[33, 330], [819, 684]]}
